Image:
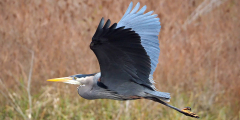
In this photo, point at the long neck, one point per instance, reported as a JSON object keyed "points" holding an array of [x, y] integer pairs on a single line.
{"points": [[90, 85], [97, 77]]}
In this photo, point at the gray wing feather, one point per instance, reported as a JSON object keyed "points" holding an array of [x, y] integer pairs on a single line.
{"points": [[128, 10], [135, 9], [148, 28]]}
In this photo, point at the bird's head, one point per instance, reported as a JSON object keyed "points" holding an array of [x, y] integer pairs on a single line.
{"points": [[79, 79]]}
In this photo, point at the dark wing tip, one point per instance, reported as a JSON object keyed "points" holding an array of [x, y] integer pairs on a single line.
{"points": [[107, 24], [101, 29], [101, 24], [113, 26]]}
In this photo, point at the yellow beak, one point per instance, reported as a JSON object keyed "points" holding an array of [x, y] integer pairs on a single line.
{"points": [[63, 79]]}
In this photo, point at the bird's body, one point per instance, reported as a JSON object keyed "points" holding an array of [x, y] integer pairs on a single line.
{"points": [[127, 53], [99, 91]]}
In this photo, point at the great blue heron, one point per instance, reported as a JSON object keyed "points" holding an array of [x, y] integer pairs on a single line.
{"points": [[127, 53]]}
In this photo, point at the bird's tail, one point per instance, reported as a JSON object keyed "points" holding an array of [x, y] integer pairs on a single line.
{"points": [[185, 111], [160, 95]]}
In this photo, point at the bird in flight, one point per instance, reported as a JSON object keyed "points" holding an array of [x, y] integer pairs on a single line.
{"points": [[127, 53]]}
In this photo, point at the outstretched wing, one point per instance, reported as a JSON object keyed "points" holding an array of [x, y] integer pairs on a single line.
{"points": [[121, 56], [148, 28]]}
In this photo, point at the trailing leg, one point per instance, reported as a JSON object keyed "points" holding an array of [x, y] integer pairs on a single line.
{"points": [[185, 111]]}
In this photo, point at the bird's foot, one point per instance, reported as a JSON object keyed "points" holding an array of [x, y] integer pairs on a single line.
{"points": [[187, 111]]}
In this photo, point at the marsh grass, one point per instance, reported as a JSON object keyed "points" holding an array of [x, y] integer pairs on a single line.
{"points": [[199, 62]]}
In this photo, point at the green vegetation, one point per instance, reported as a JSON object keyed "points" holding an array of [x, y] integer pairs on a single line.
{"points": [[63, 105]]}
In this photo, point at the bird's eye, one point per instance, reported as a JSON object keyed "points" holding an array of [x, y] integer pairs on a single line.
{"points": [[75, 78]]}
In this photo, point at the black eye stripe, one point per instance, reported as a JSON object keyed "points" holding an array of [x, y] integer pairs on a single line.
{"points": [[81, 75]]}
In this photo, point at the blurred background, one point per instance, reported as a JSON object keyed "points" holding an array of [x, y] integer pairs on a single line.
{"points": [[199, 63]]}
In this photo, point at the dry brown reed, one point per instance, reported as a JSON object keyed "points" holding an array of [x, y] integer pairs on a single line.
{"points": [[199, 63]]}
